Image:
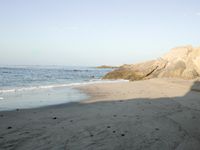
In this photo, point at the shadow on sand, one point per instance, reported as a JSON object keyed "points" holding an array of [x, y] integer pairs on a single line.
{"points": [[136, 124]]}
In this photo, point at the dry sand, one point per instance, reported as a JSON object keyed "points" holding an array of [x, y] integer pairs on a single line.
{"points": [[157, 114]]}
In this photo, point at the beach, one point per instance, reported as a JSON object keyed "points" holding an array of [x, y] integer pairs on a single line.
{"points": [[99, 75], [156, 114]]}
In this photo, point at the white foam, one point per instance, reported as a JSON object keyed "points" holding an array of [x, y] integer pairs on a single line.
{"points": [[1, 98], [58, 85]]}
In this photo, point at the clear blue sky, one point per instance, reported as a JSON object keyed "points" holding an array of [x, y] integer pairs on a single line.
{"points": [[94, 32]]}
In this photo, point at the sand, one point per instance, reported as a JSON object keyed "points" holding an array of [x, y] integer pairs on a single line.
{"points": [[157, 114]]}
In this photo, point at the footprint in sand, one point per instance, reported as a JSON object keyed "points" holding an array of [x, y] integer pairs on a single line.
{"points": [[108, 127], [193, 117]]}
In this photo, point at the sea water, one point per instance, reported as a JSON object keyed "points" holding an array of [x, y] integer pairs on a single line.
{"points": [[37, 86]]}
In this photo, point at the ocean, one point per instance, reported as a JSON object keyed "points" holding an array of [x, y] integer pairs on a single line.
{"points": [[38, 86]]}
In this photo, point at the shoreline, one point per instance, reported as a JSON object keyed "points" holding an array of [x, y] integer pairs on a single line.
{"points": [[102, 96], [93, 96], [157, 114], [47, 95], [135, 89]]}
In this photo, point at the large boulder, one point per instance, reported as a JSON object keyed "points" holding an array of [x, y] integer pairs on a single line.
{"points": [[180, 62]]}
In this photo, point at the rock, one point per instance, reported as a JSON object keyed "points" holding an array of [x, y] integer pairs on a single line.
{"points": [[175, 69], [196, 86], [181, 62], [189, 73]]}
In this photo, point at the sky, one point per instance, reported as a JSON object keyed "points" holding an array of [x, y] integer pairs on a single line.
{"points": [[94, 32]]}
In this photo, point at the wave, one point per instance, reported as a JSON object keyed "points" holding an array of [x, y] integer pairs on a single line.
{"points": [[58, 86]]}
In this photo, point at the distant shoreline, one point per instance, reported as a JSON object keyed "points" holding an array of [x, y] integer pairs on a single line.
{"points": [[106, 67]]}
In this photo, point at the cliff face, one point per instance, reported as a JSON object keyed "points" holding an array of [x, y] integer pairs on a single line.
{"points": [[180, 62]]}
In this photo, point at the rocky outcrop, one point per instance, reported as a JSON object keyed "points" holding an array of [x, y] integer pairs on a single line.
{"points": [[180, 62]]}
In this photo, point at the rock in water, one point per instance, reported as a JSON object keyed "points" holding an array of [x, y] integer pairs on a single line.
{"points": [[106, 67], [180, 62]]}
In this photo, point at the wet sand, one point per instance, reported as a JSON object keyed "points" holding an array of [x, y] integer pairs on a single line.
{"points": [[157, 114]]}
